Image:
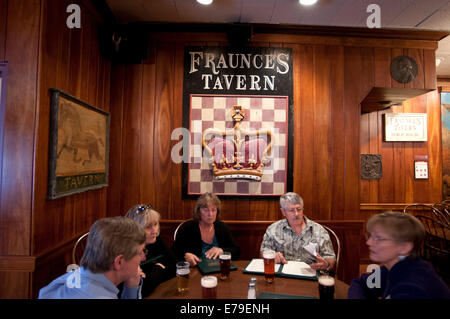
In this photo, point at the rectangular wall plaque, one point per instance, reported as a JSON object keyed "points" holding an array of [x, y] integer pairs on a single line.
{"points": [[405, 127]]}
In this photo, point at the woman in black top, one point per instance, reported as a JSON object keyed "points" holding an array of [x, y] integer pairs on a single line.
{"points": [[159, 264], [204, 236]]}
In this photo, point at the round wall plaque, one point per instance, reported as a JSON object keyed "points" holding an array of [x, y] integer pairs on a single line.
{"points": [[403, 69]]}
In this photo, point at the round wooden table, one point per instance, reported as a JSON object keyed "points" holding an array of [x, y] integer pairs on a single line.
{"points": [[237, 286]]}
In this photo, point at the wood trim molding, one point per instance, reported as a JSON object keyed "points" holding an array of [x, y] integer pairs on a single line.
{"points": [[17, 263], [385, 206]]}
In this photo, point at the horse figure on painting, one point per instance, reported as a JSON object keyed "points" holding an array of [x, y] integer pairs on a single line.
{"points": [[72, 138]]}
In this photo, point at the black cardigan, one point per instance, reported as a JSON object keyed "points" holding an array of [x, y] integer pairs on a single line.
{"points": [[189, 240], [158, 252]]}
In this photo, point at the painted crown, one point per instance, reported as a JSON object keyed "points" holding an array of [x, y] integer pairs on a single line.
{"points": [[237, 153]]}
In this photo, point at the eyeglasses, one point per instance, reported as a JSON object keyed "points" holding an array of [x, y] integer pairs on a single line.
{"points": [[295, 209], [142, 208], [377, 239]]}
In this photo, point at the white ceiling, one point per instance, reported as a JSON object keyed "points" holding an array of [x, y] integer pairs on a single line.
{"points": [[410, 14]]}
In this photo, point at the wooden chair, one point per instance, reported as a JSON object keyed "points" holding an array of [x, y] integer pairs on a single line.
{"points": [[425, 210], [436, 246], [78, 248], [176, 230], [444, 210], [336, 245]]}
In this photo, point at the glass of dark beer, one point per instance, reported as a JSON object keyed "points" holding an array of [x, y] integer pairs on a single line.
{"points": [[269, 265], [225, 263], [209, 287], [326, 287]]}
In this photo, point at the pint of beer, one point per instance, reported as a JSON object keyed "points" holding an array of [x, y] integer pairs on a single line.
{"points": [[209, 287], [326, 287], [269, 265], [225, 263], [183, 276]]}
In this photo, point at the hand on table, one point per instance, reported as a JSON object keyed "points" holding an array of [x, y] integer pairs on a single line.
{"points": [[279, 258], [191, 259], [213, 253]]}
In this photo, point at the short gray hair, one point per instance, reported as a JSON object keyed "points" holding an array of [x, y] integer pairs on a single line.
{"points": [[108, 238], [291, 198]]}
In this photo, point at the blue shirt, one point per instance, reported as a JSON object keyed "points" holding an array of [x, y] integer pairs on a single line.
{"points": [[84, 284], [206, 246]]}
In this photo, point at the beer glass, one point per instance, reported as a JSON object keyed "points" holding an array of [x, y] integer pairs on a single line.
{"points": [[326, 287], [209, 287], [269, 265], [225, 263], [183, 276]]}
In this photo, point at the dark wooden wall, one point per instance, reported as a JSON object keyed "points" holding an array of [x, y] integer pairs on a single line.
{"points": [[19, 41], [331, 77], [36, 233], [70, 61]]}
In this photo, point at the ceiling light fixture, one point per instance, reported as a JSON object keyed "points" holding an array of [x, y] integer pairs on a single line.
{"points": [[205, 2], [307, 2]]}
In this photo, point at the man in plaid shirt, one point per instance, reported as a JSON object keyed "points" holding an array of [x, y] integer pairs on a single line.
{"points": [[298, 238]]}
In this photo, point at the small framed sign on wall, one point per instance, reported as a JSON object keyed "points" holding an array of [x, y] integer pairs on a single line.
{"points": [[421, 167], [405, 127]]}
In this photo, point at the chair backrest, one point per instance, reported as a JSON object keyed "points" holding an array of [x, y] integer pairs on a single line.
{"points": [[176, 230], [444, 210], [78, 248], [337, 244], [425, 210], [436, 247]]}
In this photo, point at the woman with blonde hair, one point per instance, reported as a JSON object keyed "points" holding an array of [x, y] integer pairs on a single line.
{"points": [[205, 236], [159, 264], [395, 240]]}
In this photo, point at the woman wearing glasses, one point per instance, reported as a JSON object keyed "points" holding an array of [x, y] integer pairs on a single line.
{"points": [[394, 241], [204, 236], [159, 264]]}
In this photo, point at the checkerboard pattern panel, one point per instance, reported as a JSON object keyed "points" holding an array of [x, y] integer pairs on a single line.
{"points": [[261, 112]]}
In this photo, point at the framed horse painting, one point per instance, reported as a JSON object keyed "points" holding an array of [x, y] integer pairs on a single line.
{"points": [[78, 148]]}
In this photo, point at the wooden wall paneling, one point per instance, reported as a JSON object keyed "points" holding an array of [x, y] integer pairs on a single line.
{"points": [[148, 186], [337, 138], [116, 140], [93, 71], [14, 285], [17, 170], [421, 187], [303, 131], [429, 66], [163, 125], [419, 81], [408, 164], [131, 137], [386, 149], [352, 99], [67, 59], [322, 129], [434, 145], [75, 71], [19, 29], [364, 140], [177, 122]]}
